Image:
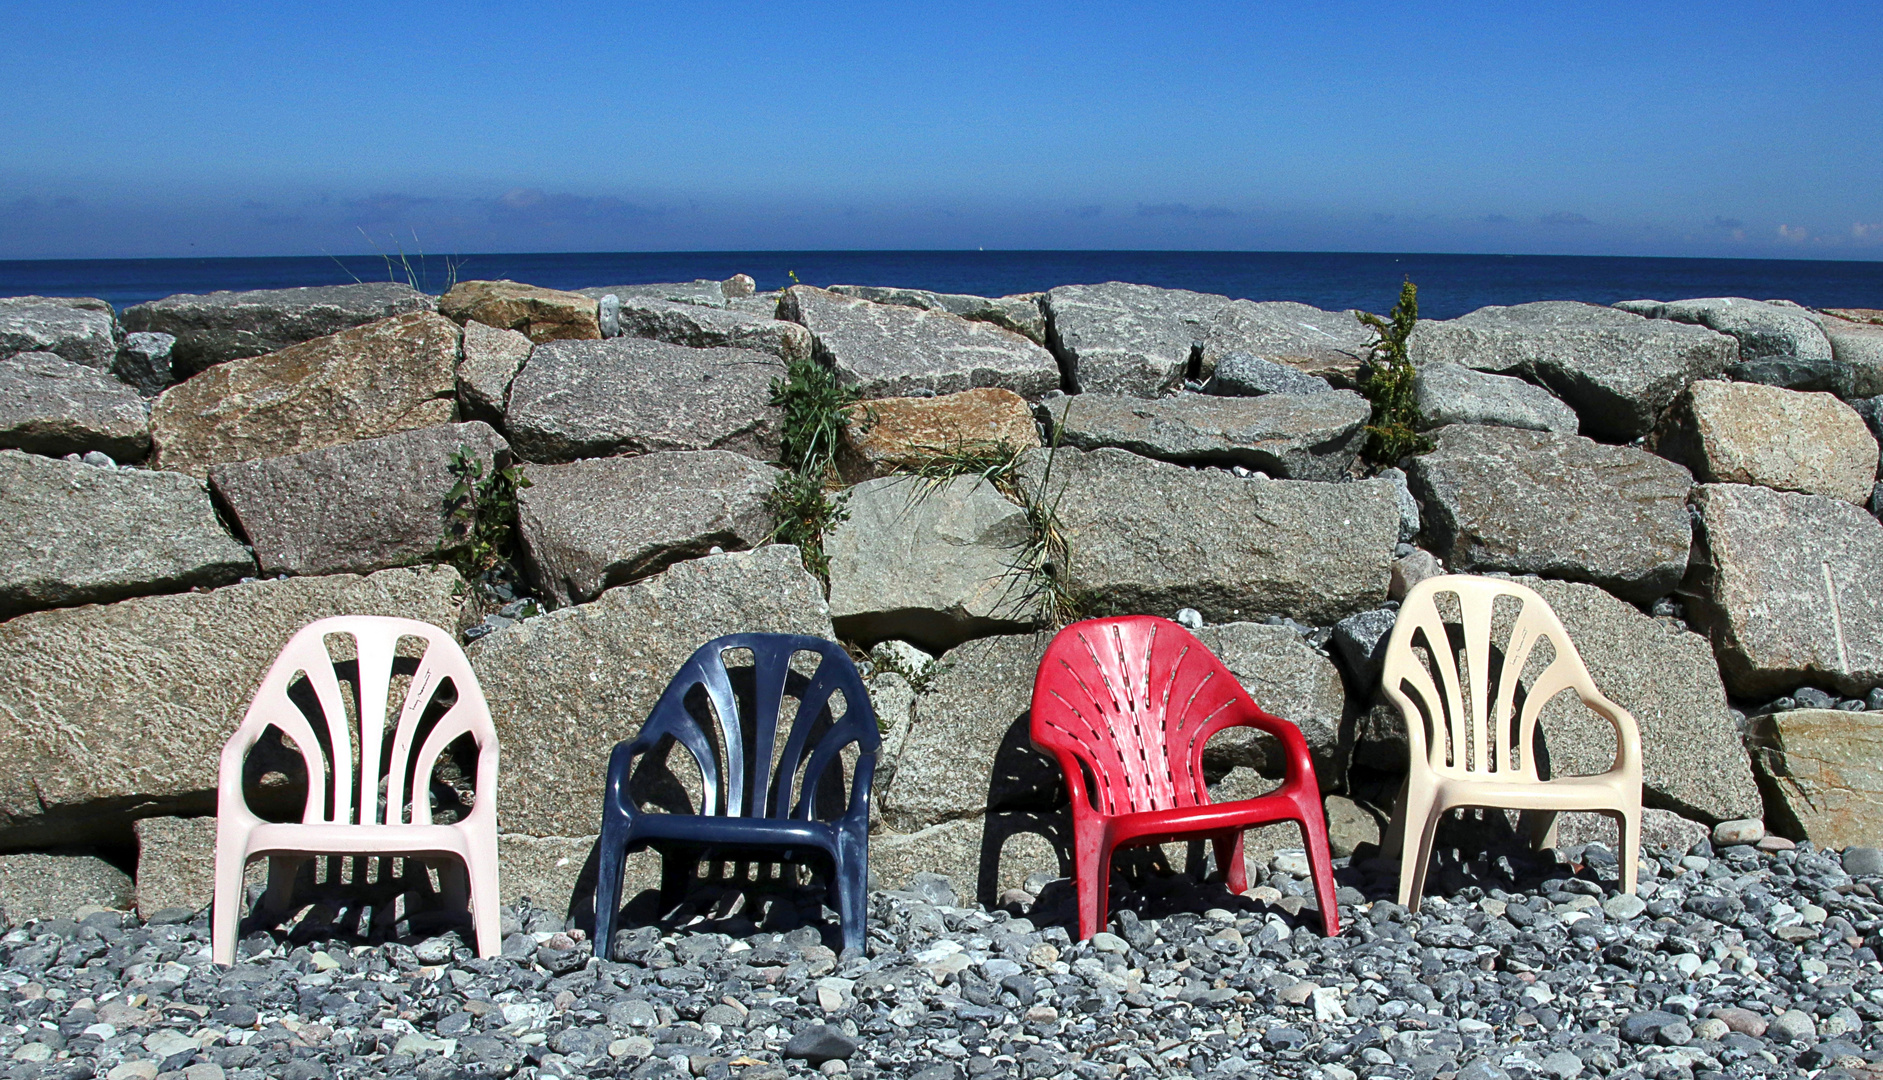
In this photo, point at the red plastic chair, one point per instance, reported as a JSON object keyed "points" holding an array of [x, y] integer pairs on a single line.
{"points": [[1125, 706]]}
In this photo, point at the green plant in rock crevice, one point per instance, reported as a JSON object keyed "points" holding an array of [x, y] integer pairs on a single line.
{"points": [[817, 411], [1387, 379], [481, 512]]}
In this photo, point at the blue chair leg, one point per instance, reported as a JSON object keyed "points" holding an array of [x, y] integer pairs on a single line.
{"points": [[853, 886], [676, 873], [611, 853]]}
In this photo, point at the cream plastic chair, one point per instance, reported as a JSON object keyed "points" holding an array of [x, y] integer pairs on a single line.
{"points": [[344, 815], [1459, 727]]}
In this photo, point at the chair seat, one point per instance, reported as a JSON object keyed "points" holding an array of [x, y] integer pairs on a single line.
{"points": [[1601, 791], [701, 830], [418, 841], [1164, 826]]}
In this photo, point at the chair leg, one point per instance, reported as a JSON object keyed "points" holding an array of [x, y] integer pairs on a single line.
{"points": [[1539, 828], [1416, 823], [1320, 864], [1394, 842], [485, 919], [676, 873], [225, 912], [853, 883], [1092, 877], [609, 857], [1629, 821], [283, 871], [1229, 861]]}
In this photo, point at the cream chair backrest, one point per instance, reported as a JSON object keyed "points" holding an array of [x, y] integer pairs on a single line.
{"points": [[1473, 729], [336, 794]]}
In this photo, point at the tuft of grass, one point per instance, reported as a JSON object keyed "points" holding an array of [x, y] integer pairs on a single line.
{"points": [[1044, 566], [817, 411], [996, 462], [1386, 380], [480, 512]]}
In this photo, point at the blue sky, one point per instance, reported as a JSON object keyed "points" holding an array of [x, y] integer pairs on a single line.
{"points": [[283, 128]]}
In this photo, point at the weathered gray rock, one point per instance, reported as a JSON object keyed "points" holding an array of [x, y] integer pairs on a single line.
{"points": [[78, 534], [1149, 536], [490, 361], [591, 525], [980, 857], [1789, 587], [1659, 828], [85, 693], [886, 350], [572, 683], [50, 405], [1819, 768], [1298, 436], [220, 326], [393, 375], [1243, 374], [933, 562], [144, 362], [1617, 370], [1857, 349], [1780, 344], [538, 313], [1693, 760], [1409, 517], [81, 329], [176, 863], [1288, 679], [1361, 640], [1745, 433], [704, 292], [1409, 570], [354, 508], [1455, 394], [968, 747], [1533, 502], [1119, 338], [1022, 314], [577, 399], [1331, 345], [705, 327], [55, 886]]}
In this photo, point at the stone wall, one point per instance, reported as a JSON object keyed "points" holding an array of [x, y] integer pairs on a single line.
{"points": [[1690, 484]]}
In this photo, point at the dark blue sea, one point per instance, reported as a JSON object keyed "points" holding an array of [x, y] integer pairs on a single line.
{"points": [[1449, 285]]}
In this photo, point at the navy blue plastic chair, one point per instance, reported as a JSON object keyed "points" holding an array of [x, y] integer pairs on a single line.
{"points": [[747, 808]]}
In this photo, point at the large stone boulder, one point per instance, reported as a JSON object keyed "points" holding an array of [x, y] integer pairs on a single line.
{"points": [[1693, 760], [577, 399], [38, 885], [1562, 506], [1022, 313], [1790, 588], [1780, 343], [1119, 338], [1298, 436], [1746, 433], [933, 562], [354, 508], [490, 361], [889, 350], [1821, 775], [86, 693], [50, 405], [703, 292], [565, 687], [980, 857], [1286, 678], [891, 434], [591, 525], [80, 534], [221, 326], [144, 361], [1618, 370], [81, 330], [1857, 349], [1455, 394], [705, 327], [539, 314], [393, 375], [1331, 345], [1150, 536]]}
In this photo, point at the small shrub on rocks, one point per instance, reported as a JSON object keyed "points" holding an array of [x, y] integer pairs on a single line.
{"points": [[1387, 381]]}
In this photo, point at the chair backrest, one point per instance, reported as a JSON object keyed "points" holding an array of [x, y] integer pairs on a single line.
{"points": [[1127, 704], [737, 779], [1455, 668], [339, 790]]}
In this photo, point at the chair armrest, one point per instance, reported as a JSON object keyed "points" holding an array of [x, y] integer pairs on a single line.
{"points": [[860, 783], [1627, 733]]}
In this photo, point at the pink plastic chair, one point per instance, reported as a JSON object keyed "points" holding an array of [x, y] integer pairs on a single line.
{"points": [[1130, 702], [343, 815]]}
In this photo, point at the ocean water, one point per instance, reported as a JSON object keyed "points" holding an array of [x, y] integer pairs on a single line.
{"points": [[1449, 285]]}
